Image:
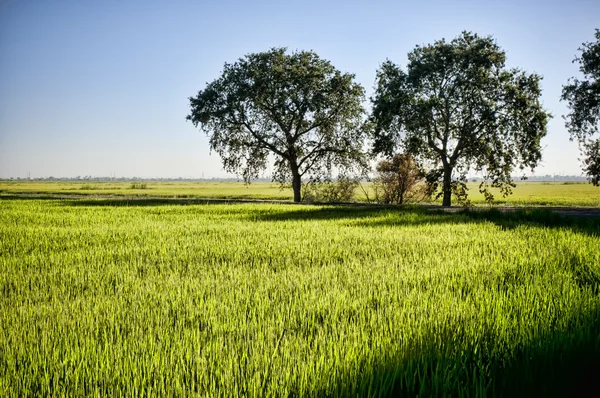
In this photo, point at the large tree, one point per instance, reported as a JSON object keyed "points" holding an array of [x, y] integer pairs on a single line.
{"points": [[458, 108], [583, 97], [297, 107]]}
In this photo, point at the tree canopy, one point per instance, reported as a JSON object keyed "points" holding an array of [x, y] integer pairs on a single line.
{"points": [[583, 97], [458, 108], [297, 107]]}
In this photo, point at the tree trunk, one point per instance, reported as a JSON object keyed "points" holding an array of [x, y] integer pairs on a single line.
{"points": [[296, 183], [447, 186]]}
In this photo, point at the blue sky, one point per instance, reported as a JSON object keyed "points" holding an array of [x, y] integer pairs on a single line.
{"points": [[94, 87]]}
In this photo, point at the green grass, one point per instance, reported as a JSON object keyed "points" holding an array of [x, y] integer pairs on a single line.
{"points": [[544, 194], [525, 194], [218, 190], [98, 299]]}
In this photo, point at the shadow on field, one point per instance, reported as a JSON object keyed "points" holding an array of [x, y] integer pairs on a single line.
{"points": [[386, 216], [558, 363], [584, 221]]}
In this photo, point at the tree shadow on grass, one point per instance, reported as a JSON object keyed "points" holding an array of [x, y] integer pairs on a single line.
{"points": [[564, 362], [360, 214], [554, 363], [582, 222], [387, 216]]}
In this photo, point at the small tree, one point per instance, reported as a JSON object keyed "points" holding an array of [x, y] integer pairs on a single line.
{"points": [[296, 107], [399, 181], [456, 108], [583, 97]]}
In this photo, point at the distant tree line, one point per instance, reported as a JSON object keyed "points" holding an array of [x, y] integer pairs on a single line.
{"points": [[131, 179], [545, 178]]}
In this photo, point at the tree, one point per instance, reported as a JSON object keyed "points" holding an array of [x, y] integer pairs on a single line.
{"points": [[297, 107], [583, 97], [399, 181], [457, 108]]}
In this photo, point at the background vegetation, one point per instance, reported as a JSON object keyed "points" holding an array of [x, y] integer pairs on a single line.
{"points": [[567, 193]]}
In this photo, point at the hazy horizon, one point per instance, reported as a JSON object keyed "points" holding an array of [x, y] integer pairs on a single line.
{"points": [[101, 88]]}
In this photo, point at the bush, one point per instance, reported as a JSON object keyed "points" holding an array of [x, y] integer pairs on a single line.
{"points": [[340, 190], [138, 186], [399, 181]]}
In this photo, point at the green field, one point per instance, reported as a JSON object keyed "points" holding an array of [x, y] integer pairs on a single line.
{"points": [[218, 190], [525, 194], [116, 298]]}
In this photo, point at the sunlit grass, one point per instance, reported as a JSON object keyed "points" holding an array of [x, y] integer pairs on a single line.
{"points": [[545, 194], [276, 300]]}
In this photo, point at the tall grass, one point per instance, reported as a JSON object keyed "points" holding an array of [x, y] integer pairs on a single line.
{"points": [[273, 300]]}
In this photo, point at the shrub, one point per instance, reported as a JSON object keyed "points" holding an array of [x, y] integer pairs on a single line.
{"points": [[138, 186], [340, 190], [399, 181]]}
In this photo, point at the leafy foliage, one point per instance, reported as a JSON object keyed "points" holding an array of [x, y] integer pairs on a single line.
{"points": [[458, 108], [399, 181], [583, 97], [340, 190], [297, 107]]}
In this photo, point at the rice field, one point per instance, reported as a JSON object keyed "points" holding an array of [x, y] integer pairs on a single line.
{"points": [[525, 194], [218, 190], [106, 298]]}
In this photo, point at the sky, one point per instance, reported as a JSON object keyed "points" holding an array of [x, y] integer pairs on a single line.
{"points": [[101, 88]]}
